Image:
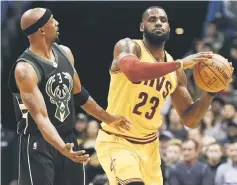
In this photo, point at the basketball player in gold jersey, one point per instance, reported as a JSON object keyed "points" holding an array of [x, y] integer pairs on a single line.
{"points": [[143, 75]]}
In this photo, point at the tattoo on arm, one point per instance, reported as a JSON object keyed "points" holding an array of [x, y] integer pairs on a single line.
{"points": [[28, 99], [127, 46], [24, 75]]}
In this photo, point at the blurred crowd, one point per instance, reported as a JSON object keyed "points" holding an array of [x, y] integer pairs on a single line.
{"points": [[206, 155], [206, 152]]}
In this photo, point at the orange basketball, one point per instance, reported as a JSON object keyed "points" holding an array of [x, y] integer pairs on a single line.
{"points": [[213, 75]]}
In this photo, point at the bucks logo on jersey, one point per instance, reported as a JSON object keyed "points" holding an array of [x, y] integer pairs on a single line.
{"points": [[61, 94]]}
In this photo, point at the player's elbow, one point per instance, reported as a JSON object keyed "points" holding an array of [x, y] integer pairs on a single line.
{"points": [[189, 123], [131, 75], [132, 78]]}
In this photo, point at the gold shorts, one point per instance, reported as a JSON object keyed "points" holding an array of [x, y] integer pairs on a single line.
{"points": [[126, 162]]}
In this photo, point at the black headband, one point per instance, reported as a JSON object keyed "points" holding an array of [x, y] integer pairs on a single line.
{"points": [[38, 24]]}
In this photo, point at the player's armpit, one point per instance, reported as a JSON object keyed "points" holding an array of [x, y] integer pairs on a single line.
{"points": [[26, 79], [189, 112]]}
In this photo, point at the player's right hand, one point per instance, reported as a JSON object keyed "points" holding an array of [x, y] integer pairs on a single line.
{"points": [[76, 156], [191, 60]]}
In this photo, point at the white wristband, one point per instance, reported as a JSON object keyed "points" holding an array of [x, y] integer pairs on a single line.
{"points": [[182, 64]]}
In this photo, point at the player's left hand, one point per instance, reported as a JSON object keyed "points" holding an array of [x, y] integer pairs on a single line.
{"points": [[191, 60], [76, 156], [232, 70], [121, 123]]}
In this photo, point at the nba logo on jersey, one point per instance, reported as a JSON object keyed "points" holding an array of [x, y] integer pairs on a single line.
{"points": [[35, 146]]}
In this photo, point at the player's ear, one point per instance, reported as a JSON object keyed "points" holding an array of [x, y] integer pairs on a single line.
{"points": [[41, 30], [141, 27]]}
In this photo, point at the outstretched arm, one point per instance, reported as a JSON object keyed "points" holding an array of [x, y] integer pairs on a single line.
{"points": [[90, 106], [126, 54], [189, 112], [27, 80]]}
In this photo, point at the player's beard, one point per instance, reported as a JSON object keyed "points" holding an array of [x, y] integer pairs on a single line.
{"points": [[155, 40], [57, 39]]}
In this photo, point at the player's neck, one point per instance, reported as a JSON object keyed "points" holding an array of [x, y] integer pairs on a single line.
{"points": [[41, 48], [156, 51]]}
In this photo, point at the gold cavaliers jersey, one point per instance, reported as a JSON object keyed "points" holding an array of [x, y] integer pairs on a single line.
{"points": [[140, 102]]}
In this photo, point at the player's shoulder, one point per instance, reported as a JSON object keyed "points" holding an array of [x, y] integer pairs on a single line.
{"points": [[128, 41], [22, 66], [169, 56], [123, 43], [68, 52], [127, 45], [65, 48], [24, 70]]}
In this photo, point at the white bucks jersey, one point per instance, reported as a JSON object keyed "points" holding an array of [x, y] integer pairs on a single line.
{"points": [[56, 85]]}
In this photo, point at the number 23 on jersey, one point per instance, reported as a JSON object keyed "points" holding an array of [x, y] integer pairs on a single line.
{"points": [[145, 99]]}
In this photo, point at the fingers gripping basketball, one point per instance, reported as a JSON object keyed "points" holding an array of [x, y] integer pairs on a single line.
{"points": [[213, 75]]}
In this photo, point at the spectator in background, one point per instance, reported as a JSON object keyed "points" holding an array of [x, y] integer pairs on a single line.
{"points": [[173, 152], [189, 171], [230, 11], [217, 109], [214, 158], [207, 140], [229, 112], [91, 134], [232, 56], [214, 37], [164, 138], [228, 119], [227, 173], [207, 47], [196, 47], [233, 52], [80, 127], [231, 132], [196, 134], [176, 127], [93, 167], [208, 123]]}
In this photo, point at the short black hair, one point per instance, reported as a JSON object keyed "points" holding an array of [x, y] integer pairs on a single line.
{"points": [[151, 7]]}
